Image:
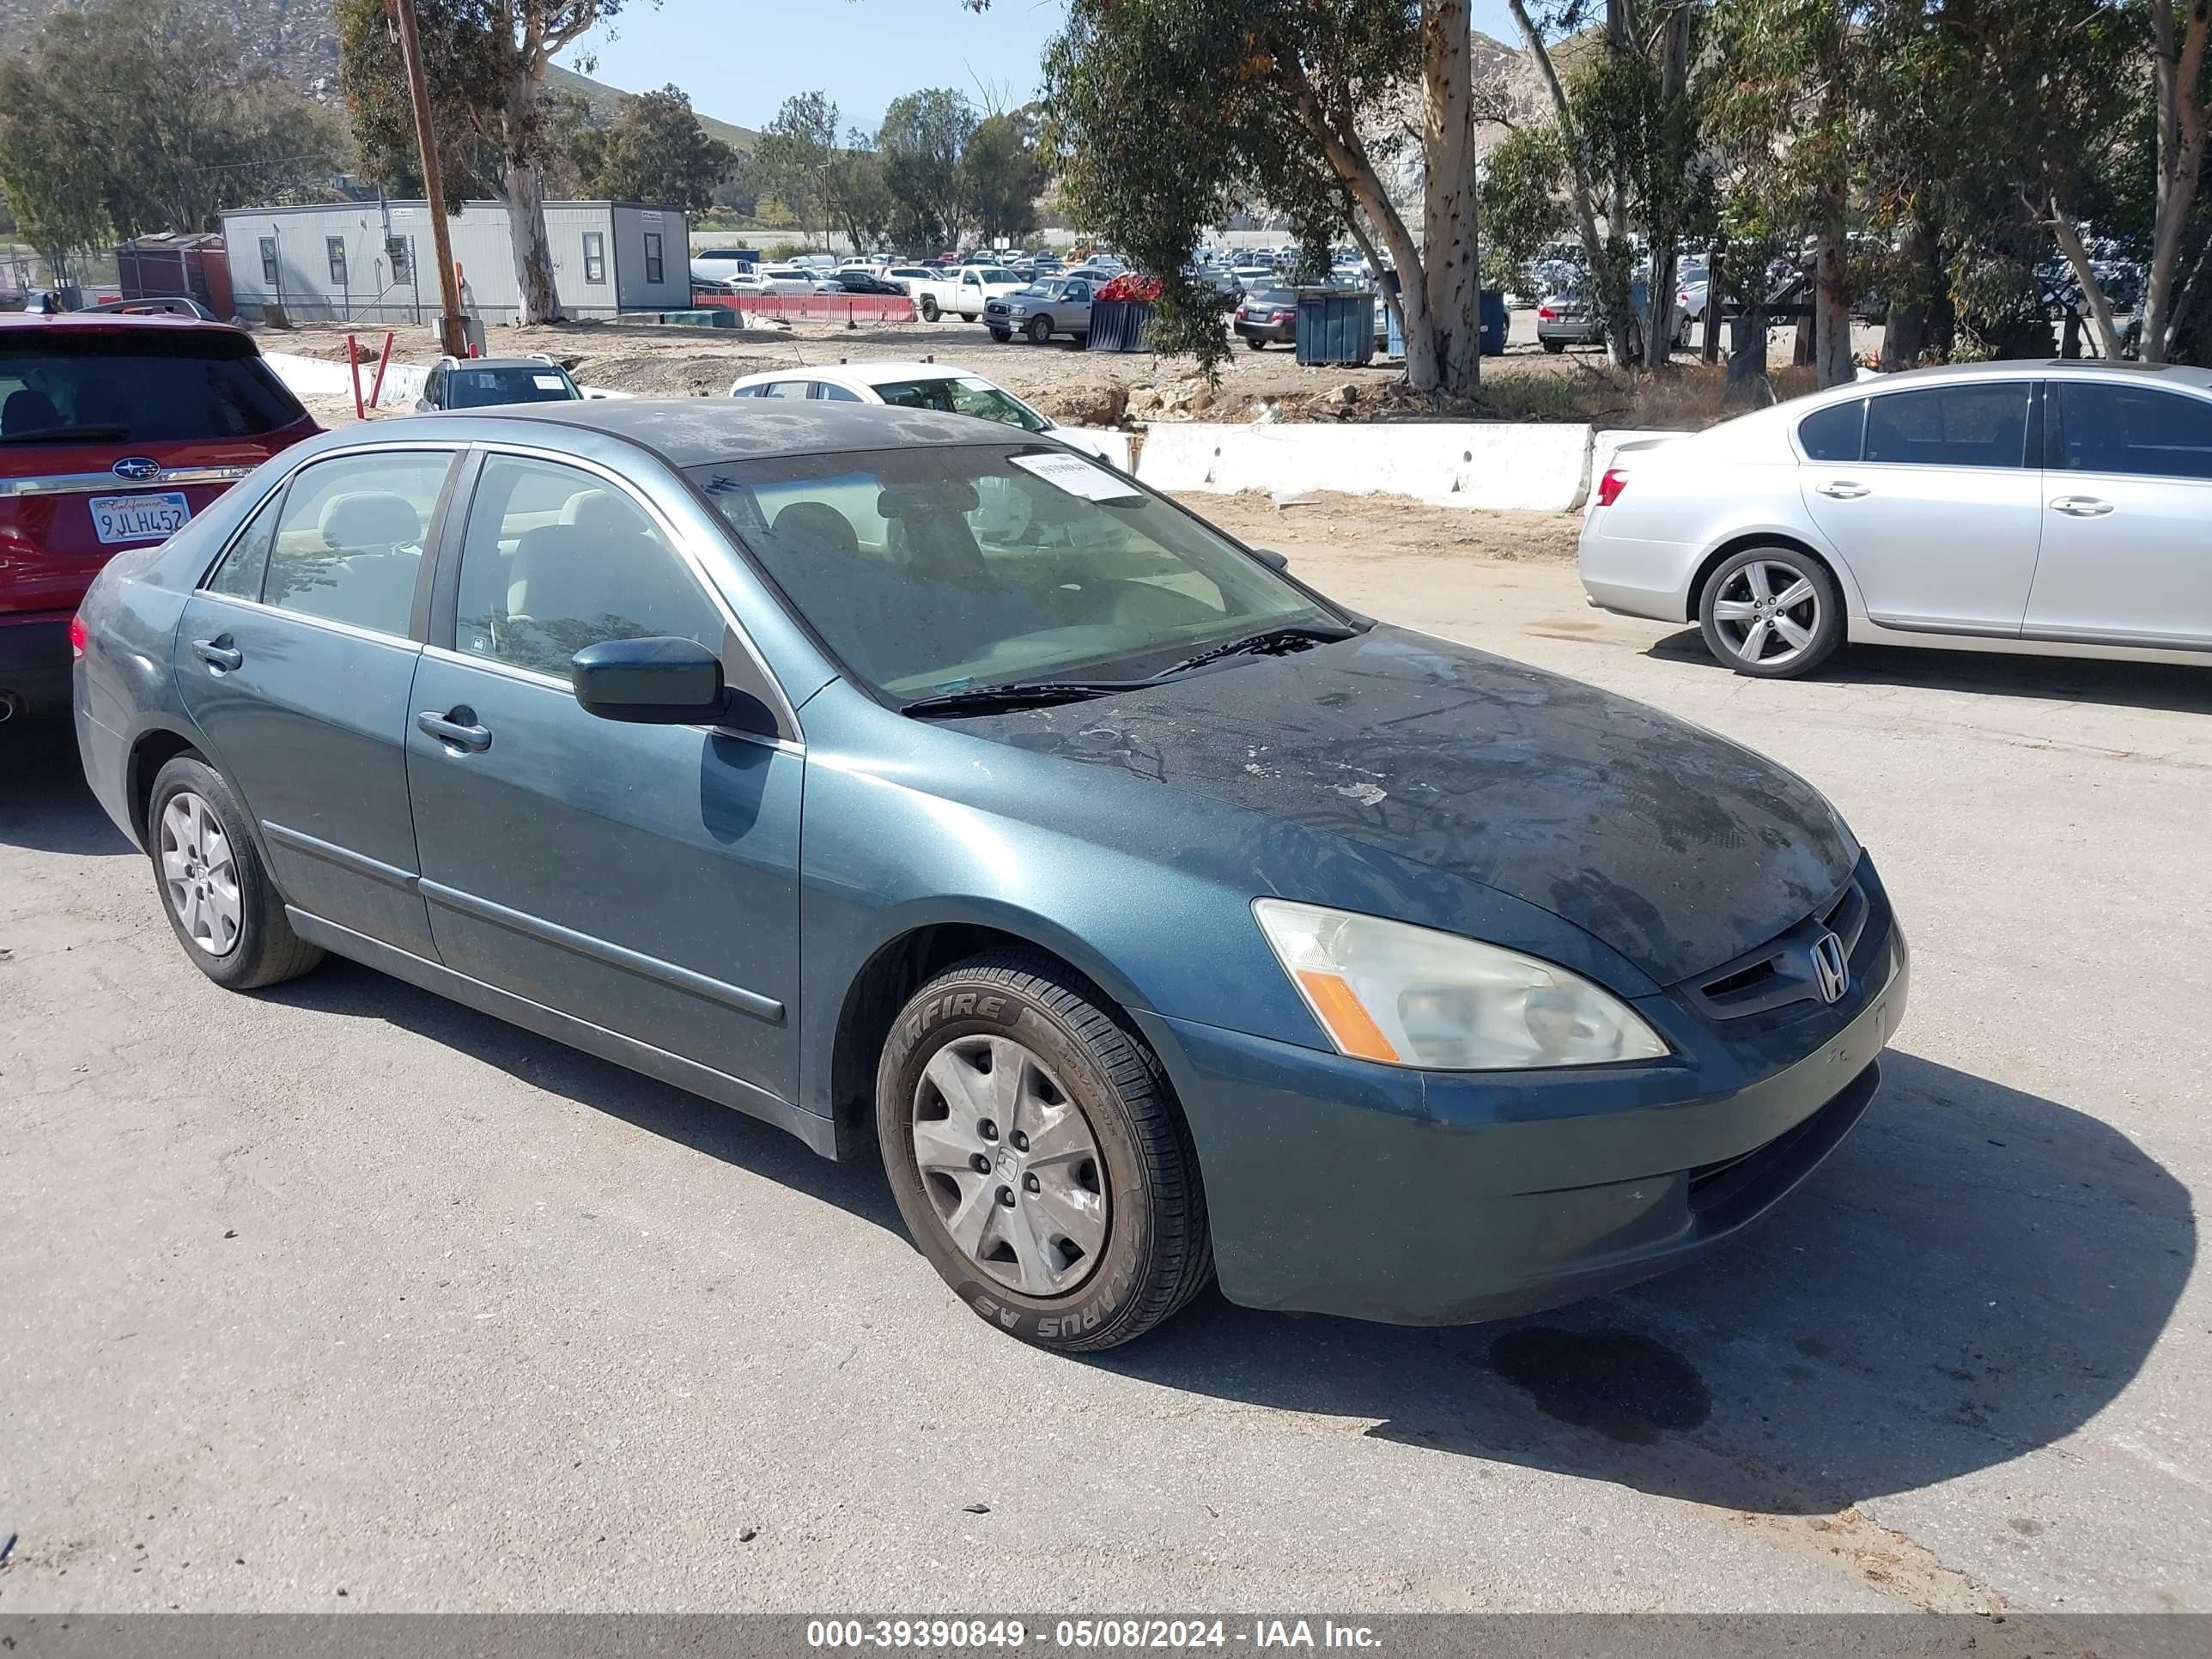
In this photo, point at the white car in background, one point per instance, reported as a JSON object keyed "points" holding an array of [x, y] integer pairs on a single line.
{"points": [[942, 387], [2060, 508]]}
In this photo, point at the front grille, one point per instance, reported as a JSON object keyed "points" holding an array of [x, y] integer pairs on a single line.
{"points": [[1781, 972]]}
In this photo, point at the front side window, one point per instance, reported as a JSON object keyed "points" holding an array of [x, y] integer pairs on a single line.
{"points": [[965, 394], [2133, 429], [349, 543], [1970, 425], [595, 257], [651, 256], [336, 247], [789, 389], [932, 569], [555, 559]]}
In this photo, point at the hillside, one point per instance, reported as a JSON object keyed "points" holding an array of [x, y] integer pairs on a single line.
{"points": [[298, 39]]}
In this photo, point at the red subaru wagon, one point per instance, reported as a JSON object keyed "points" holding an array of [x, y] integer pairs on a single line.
{"points": [[115, 429]]}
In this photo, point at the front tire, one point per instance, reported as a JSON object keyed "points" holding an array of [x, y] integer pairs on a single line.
{"points": [[1039, 331], [1002, 335], [1038, 1157], [1772, 613], [221, 905]]}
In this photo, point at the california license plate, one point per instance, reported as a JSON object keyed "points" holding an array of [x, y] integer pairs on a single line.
{"points": [[139, 518]]}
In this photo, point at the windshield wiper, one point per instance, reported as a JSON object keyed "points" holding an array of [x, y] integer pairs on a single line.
{"points": [[1019, 694], [1275, 641], [67, 434]]}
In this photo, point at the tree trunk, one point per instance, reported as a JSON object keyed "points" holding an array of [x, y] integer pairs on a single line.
{"points": [[2101, 304], [2178, 76], [1448, 270], [1831, 304], [1673, 80], [1904, 330], [532, 247], [1606, 291]]}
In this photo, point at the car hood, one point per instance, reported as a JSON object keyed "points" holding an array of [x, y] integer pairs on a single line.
{"points": [[1679, 848]]}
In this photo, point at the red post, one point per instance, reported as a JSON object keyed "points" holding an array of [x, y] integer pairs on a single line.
{"points": [[353, 368], [383, 362]]}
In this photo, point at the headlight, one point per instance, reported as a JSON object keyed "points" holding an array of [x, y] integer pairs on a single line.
{"points": [[1412, 996], [1019, 311]]}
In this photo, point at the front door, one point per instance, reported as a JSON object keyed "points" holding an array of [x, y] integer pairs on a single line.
{"points": [[642, 877], [1939, 518], [297, 658], [2127, 531]]}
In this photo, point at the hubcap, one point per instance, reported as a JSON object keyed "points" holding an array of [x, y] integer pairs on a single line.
{"points": [[1766, 613], [1011, 1165], [200, 874]]}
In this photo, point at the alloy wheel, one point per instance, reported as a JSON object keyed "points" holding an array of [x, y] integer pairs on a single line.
{"points": [[1011, 1165], [199, 873], [1767, 613]]}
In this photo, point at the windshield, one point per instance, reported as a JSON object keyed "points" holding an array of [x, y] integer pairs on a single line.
{"points": [[996, 275], [937, 568], [479, 388], [965, 394], [148, 386]]}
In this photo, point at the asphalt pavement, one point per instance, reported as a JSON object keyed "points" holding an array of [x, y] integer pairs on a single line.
{"points": [[339, 1296]]}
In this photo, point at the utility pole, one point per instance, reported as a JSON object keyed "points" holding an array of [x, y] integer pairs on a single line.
{"points": [[452, 331]]}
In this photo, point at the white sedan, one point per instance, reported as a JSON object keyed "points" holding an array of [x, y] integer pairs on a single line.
{"points": [[2052, 508], [941, 386]]}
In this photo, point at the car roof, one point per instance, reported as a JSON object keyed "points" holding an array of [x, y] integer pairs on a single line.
{"points": [[2178, 375], [696, 431], [872, 372], [116, 322], [541, 364]]}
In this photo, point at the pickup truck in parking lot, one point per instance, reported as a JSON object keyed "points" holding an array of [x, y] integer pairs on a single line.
{"points": [[965, 292], [1060, 305]]}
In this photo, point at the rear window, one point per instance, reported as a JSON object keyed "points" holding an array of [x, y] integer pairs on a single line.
{"points": [[480, 388], [1273, 297], [71, 385]]}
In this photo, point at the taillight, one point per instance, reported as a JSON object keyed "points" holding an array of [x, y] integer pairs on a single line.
{"points": [[1610, 486], [1545, 314], [77, 636]]}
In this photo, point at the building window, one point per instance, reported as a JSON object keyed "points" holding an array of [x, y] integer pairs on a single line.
{"points": [[651, 256], [395, 250], [337, 246], [269, 263], [595, 257]]}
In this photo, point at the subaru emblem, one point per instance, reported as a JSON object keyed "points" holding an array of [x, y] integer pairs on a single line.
{"points": [[1831, 970], [136, 468]]}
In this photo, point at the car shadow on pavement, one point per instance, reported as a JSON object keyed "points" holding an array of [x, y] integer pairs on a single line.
{"points": [[44, 804], [340, 987], [2181, 689], [1975, 1273]]}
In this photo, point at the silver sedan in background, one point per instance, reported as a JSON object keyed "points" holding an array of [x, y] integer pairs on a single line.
{"points": [[2058, 508]]}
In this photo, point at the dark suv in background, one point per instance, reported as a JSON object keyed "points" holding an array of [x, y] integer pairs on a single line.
{"points": [[116, 430]]}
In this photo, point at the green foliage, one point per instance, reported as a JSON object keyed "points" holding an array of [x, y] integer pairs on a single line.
{"points": [[1003, 173], [93, 142], [656, 151], [796, 158], [1524, 204], [922, 141]]}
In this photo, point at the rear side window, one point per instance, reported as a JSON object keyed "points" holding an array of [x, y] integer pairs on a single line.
{"points": [[2133, 429], [1832, 435], [137, 386], [349, 543], [239, 574], [1950, 426]]}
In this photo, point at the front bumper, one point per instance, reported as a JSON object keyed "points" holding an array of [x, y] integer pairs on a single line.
{"points": [[34, 658], [1336, 1186]]}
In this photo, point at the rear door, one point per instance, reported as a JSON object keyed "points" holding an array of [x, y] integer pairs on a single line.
{"points": [[114, 436], [2127, 528], [1933, 503], [296, 658]]}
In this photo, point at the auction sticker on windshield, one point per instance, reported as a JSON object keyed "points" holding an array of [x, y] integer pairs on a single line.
{"points": [[139, 518], [1079, 477]]}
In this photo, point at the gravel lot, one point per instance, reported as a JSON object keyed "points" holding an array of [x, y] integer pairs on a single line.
{"points": [[342, 1290]]}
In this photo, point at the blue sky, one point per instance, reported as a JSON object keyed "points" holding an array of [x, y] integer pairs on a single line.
{"points": [[740, 59]]}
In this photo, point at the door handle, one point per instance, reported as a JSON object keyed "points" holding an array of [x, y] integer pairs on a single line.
{"points": [[2080, 506], [218, 656], [1843, 489], [458, 728]]}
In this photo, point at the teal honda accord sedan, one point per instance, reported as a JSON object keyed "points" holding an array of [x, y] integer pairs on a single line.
{"points": [[929, 789]]}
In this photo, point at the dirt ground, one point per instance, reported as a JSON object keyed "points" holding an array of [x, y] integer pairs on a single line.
{"points": [[1090, 388]]}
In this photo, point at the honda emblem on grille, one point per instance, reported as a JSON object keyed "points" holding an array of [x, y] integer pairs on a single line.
{"points": [[1831, 972]]}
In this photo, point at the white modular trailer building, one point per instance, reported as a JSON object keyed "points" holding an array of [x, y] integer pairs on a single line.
{"points": [[371, 262]]}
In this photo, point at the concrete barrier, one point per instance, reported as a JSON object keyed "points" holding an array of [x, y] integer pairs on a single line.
{"points": [[1534, 468], [1110, 442]]}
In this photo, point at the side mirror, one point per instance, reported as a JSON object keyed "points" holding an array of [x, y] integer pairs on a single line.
{"points": [[662, 682], [1273, 560]]}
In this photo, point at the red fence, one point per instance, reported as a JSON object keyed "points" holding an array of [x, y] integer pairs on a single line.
{"points": [[819, 307]]}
